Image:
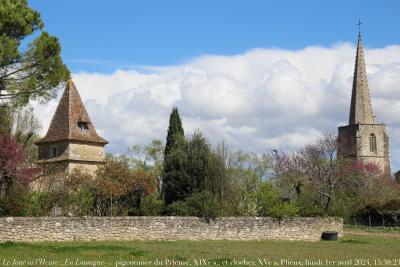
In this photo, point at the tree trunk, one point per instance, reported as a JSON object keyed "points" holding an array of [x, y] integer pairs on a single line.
{"points": [[5, 119], [328, 202], [3, 188], [3, 184]]}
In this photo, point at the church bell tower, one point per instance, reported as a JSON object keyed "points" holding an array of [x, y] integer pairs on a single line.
{"points": [[363, 139]]}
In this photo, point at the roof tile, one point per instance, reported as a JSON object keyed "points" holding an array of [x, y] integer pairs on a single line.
{"points": [[64, 125]]}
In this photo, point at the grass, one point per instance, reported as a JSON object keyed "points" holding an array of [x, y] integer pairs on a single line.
{"points": [[376, 229], [199, 253]]}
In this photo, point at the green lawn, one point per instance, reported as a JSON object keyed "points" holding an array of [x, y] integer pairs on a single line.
{"points": [[350, 251], [373, 229]]}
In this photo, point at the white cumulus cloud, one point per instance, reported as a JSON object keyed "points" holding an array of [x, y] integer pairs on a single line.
{"points": [[257, 101]]}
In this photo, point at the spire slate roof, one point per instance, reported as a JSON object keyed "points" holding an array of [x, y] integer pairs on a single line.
{"points": [[360, 107], [65, 123]]}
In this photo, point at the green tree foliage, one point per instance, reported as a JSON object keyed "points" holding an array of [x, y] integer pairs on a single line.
{"points": [[203, 205], [198, 153], [217, 179], [369, 196], [397, 177], [150, 158], [269, 203], [13, 203], [73, 193], [284, 210], [200, 204], [79, 198], [36, 204], [178, 208], [236, 178], [151, 206], [118, 189], [115, 190], [267, 198], [34, 72], [391, 210], [176, 181], [27, 73], [175, 133]]}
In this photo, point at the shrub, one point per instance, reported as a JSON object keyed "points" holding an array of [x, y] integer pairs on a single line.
{"points": [[151, 206], [284, 210], [80, 201], [3, 208], [36, 204], [73, 194], [13, 203], [267, 198], [78, 193], [203, 205], [118, 190], [178, 208], [308, 208], [270, 204]]}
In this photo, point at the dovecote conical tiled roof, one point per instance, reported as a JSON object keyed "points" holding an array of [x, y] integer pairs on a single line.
{"points": [[65, 123]]}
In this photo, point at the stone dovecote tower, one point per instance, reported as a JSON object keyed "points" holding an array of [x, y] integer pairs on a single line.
{"points": [[363, 139], [71, 140]]}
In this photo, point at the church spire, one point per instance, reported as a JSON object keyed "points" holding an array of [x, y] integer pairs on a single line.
{"points": [[360, 108]]}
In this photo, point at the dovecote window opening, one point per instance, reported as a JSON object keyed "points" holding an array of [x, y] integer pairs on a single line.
{"points": [[53, 151], [372, 143], [83, 126]]}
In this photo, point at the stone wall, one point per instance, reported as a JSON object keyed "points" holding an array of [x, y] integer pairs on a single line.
{"points": [[164, 228]]}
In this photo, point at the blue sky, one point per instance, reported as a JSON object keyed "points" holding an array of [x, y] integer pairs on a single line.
{"points": [[108, 35], [257, 75]]}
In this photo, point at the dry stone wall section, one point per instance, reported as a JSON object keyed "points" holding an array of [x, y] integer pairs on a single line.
{"points": [[164, 228]]}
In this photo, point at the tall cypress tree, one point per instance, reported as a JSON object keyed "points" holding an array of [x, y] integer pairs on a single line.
{"points": [[175, 131], [176, 185]]}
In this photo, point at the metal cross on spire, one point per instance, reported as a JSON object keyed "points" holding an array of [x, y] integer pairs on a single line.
{"points": [[359, 26]]}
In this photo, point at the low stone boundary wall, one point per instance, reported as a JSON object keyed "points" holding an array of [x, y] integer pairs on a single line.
{"points": [[165, 228]]}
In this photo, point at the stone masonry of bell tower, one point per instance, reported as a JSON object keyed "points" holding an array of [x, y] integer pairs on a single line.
{"points": [[363, 140]]}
